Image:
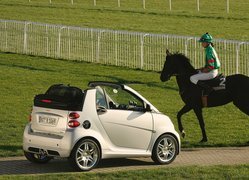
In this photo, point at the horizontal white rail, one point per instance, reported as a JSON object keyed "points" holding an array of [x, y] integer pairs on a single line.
{"points": [[121, 48]]}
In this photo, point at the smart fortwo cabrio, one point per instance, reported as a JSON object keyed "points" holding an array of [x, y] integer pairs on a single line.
{"points": [[107, 120]]}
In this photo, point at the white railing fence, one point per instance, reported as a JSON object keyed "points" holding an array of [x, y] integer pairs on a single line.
{"points": [[121, 48], [143, 3]]}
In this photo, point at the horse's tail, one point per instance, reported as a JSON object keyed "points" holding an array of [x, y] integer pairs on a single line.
{"points": [[238, 86]]}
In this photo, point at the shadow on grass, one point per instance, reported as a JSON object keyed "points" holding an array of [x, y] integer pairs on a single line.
{"points": [[25, 67], [149, 84], [158, 13], [13, 148], [62, 165], [10, 150]]}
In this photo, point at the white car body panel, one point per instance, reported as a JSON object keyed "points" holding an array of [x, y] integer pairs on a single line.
{"points": [[60, 116], [120, 133], [132, 130]]}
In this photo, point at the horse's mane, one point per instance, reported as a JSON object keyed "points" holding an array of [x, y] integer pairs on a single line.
{"points": [[179, 55], [184, 60]]}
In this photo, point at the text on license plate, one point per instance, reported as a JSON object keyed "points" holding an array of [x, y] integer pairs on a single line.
{"points": [[47, 120]]}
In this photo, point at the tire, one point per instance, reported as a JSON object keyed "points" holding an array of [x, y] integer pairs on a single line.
{"points": [[37, 158], [165, 149], [85, 155]]}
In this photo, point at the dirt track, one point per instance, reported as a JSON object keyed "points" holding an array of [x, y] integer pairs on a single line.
{"points": [[200, 157]]}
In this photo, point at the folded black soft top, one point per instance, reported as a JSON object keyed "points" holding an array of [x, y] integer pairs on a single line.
{"points": [[60, 96]]}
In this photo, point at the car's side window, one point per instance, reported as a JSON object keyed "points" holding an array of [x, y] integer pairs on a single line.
{"points": [[121, 99], [100, 98]]}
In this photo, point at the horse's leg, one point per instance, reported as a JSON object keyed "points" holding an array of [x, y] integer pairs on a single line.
{"points": [[198, 112], [184, 110]]}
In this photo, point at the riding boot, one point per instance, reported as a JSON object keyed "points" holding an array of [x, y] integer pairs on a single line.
{"points": [[207, 88]]}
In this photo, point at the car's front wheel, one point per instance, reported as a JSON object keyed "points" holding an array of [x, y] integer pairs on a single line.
{"points": [[37, 158], [85, 155], [165, 149]]}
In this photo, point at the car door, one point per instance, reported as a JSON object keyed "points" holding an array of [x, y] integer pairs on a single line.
{"points": [[124, 119]]}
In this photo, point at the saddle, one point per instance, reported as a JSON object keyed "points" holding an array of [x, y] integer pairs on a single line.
{"points": [[218, 83]]}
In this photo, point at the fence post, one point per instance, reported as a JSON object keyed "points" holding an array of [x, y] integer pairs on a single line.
{"points": [[186, 46], [6, 35], [142, 50], [144, 4], [69, 43], [25, 37], [227, 6], [94, 2], [47, 37], [50, 1], [118, 3], [116, 47], [225, 57], [59, 41], [72, 2], [170, 5], [98, 45], [167, 41], [237, 56], [92, 45], [198, 5]]}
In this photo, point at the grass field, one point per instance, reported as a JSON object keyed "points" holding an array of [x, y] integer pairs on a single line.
{"points": [[22, 77], [192, 172], [183, 20]]}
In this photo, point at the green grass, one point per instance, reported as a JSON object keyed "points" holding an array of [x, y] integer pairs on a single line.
{"points": [[22, 77], [192, 172], [183, 20]]}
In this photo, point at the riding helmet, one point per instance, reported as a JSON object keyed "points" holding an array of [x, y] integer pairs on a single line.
{"points": [[206, 38]]}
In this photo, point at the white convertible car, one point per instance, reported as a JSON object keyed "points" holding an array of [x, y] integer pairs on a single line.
{"points": [[107, 120]]}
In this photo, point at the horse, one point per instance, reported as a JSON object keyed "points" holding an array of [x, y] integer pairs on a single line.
{"points": [[236, 90]]}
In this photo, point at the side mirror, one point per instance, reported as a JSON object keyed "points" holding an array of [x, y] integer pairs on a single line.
{"points": [[101, 109]]}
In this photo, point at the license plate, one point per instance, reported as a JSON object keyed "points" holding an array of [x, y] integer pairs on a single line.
{"points": [[45, 120]]}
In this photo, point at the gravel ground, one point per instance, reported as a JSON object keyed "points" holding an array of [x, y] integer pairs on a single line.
{"points": [[187, 157]]}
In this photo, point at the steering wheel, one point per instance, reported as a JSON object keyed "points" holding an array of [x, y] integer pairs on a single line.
{"points": [[122, 106]]}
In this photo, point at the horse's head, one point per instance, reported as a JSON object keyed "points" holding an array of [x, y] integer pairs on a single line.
{"points": [[169, 67], [176, 64]]}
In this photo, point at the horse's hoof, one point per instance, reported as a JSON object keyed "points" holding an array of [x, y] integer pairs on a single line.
{"points": [[203, 140], [183, 134]]}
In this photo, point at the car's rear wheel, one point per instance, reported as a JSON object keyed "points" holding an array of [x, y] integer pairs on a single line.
{"points": [[165, 149], [37, 158], [85, 155]]}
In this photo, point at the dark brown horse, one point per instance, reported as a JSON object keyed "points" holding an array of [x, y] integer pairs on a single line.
{"points": [[236, 90]]}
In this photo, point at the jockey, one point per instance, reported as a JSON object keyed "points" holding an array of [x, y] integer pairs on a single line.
{"points": [[210, 70]]}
